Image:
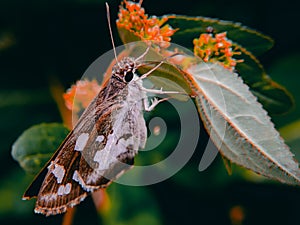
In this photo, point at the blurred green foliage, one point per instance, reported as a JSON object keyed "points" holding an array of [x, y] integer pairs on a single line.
{"points": [[34, 147], [41, 39]]}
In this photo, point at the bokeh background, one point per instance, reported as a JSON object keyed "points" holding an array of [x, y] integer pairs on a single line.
{"points": [[42, 41]]}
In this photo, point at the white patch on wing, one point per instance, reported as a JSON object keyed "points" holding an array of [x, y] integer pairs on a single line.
{"points": [[105, 156], [72, 204], [64, 189], [81, 141], [68, 188], [58, 171], [113, 148], [77, 177], [100, 138], [94, 176], [60, 190], [49, 197]]}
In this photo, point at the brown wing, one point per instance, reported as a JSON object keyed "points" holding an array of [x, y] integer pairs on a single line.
{"points": [[65, 150], [54, 187], [73, 172]]}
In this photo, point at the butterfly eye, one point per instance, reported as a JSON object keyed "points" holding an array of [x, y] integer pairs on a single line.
{"points": [[128, 77]]}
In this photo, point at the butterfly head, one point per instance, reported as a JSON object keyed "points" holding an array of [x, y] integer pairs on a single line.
{"points": [[125, 70]]}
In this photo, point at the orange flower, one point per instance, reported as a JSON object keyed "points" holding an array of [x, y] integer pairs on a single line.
{"points": [[80, 95], [132, 17], [216, 48]]}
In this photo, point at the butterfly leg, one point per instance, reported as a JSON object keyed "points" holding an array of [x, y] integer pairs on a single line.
{"points": [[154, 102]]}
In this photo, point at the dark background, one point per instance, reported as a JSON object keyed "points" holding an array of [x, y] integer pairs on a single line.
{"points": [[60, 39]]}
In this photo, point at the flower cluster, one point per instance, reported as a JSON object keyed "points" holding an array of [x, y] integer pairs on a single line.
{"points": [[80, 95], [216, 48], [132, 17]]}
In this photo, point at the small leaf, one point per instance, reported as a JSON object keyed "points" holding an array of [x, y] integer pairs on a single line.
{"points": [[239, 126], [36, 145], [192, 27]]}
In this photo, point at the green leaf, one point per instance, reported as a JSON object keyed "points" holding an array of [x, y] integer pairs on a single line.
{"points": [[36, 145], [274, 97], [286, 71], [192, 27], [239, 126]]}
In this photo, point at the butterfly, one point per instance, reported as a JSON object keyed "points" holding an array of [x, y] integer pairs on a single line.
{"points": [[102, 144]]}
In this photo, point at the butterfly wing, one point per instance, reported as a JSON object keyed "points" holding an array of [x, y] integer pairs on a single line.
{"points": [[100, 148]]}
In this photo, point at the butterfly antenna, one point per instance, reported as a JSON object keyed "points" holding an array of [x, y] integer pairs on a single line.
{"points": [[110, 32]]}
